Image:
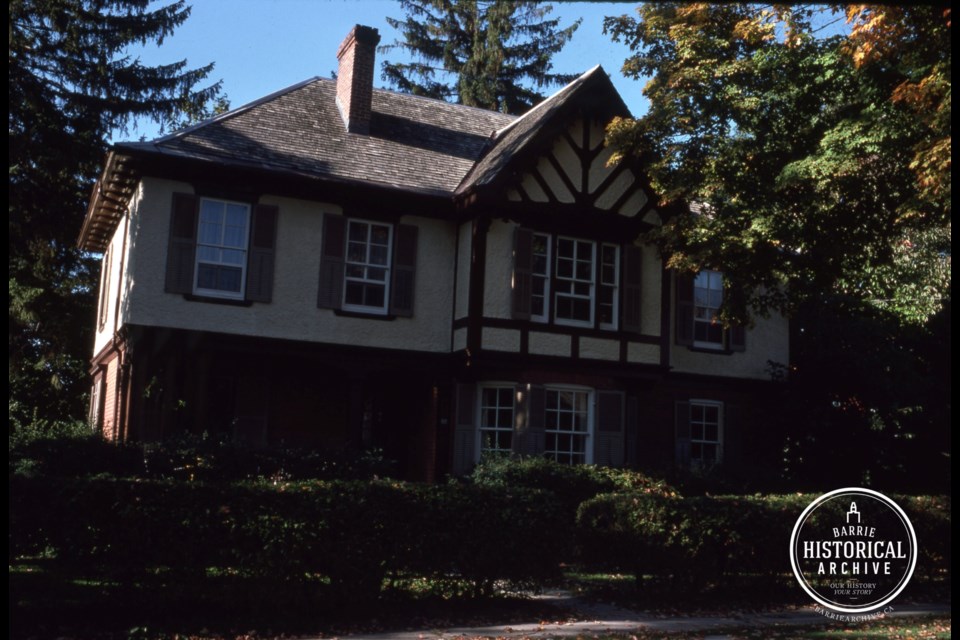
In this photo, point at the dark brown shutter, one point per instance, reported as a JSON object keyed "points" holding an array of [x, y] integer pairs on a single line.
{"points": [[535, 441], [404, 271], [738, 337], [632, 263], [521, 426], [465, 432], [682, 435], [522, 273], [684, 308], [182, 247], [332, 255], [263, 239], [731, 436], [608, 447], [632, 427]]}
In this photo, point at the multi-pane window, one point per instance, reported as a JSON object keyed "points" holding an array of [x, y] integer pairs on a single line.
{"points": [[609, 282], [705, 433], [222, 248], [567, 422], [571, 282], [574, 282], [366, 277], [540, 277], [496, 420], [707, 298]]}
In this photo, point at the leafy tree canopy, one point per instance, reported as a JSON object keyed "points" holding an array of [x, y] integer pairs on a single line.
{"points": [[72, 84], [493, 54], [823, 162]]}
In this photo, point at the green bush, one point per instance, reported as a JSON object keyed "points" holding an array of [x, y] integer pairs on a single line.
{"points": [[711, 538], [344, 536]]}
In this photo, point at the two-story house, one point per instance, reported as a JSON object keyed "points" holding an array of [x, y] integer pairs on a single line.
{"points": [[338, 266]]}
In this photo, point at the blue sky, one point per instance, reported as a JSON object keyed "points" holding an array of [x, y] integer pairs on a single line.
{"points": [[261, 46]]}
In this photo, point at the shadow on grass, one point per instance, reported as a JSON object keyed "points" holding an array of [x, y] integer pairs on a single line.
{"points": [[737, 594], [49, 603]]}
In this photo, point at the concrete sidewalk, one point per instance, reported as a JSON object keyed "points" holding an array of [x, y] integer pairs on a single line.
{"points": [[597, 618]]}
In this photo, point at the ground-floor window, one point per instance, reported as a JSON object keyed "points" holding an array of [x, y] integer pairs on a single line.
{"points": [[706, 443], [567, 421], [496, 420], [96, 404]]}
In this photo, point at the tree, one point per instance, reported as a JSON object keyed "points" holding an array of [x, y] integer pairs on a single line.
{"points": [[481, 53], [72, 84], [824, 162]]}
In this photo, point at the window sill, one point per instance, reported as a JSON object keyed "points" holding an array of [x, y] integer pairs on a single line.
{"points": [[230, 302], [720, 352], [363, 314]]}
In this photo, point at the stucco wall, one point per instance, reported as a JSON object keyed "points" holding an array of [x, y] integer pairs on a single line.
{"points": [[293, 313], [462, 302], [549, 344], [113, 283], [769, 339], [498, 270]]}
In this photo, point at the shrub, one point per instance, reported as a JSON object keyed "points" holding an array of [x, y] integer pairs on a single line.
{"points": [[708, 538], [349, 535]]}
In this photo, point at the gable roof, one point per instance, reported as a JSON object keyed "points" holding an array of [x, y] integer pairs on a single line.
{"points": [[592, 87]]}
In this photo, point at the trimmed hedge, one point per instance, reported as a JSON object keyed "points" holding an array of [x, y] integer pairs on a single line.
{"points": [[709, 538], [345, 537]]}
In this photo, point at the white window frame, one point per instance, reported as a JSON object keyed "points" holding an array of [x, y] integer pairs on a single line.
{"points": [[481, 429], [104, 302], [591, 298], [699, 463], [95, 414], [707, 344], [615, 285], [587, 435], [545, 276], [347, 263], [245, 249]]}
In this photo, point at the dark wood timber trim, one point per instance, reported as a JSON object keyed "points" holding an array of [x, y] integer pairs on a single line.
{"points": [[543, 327], [542, 182], [478, 262], [666, 312], [229, 302], [565, 179]]}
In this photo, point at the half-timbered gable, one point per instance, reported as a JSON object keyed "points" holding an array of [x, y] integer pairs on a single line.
{"points": [[335, 265]]}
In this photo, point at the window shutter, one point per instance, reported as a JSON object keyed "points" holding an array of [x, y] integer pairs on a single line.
{"points": [[731, 435], [522, 273], [263, 239], [608, 447], [632, 262], [521, 421], [332, 254], [465, 433], [738, 337], [535, 440], [404, 271], [182, 247], [684, 308], [632, 428], [682, 435]]}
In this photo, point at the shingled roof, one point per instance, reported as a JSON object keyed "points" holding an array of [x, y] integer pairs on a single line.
{"points": [[414, 143]]}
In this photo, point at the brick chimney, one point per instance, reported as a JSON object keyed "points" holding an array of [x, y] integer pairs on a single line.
{"points": [[355, 77]]}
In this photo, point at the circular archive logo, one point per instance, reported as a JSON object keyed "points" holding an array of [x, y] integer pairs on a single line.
{"points": [[853, 550]]}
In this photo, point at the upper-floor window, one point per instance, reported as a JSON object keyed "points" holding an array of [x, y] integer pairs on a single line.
{"points": [[697, 301], [707, 299], [366, 277], [104, 291], [367, 267], [222, 248], [568, 281]]}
